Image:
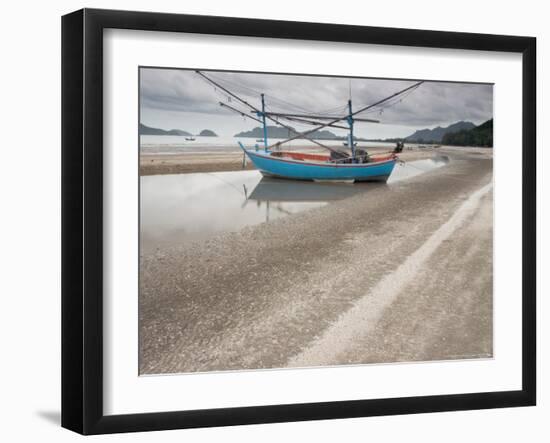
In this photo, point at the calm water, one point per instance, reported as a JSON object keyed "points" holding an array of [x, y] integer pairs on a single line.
{"points": [[170, 144], [190, 207]]}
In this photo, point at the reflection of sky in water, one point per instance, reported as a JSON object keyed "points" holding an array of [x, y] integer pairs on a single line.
{"points": [[189, 207], [184, 207]]}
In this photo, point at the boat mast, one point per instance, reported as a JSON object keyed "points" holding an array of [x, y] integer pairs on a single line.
{"points": [[262, 114], [350, 135]]}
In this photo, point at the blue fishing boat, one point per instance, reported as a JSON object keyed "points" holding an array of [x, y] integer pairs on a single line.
{"points": [[352, 166], [298, 166]]}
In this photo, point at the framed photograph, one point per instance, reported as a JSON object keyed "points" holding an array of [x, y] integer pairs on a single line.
{"points": [[269, 221]]}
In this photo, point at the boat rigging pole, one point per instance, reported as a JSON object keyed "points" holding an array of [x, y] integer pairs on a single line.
{"points": [[311, 122], [263, 121], [239, 112], [319, 117], [324, 125], [266, 114], [350, 136]]}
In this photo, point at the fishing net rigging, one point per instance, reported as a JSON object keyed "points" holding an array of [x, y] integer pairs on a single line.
{"points": [[279, 105], [391, 103], [317, 121], [276, 104]]}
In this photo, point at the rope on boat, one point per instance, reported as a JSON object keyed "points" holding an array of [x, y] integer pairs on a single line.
{"points": [[249, 90]]}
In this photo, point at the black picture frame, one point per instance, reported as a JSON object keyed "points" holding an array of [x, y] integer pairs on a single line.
{"points": [[82, 219]]}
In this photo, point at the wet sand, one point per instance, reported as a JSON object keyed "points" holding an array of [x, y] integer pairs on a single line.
{"points": [[185, 163], [155, 164], [400, 273]]}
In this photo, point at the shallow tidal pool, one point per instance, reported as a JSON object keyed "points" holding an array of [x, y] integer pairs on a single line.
{"points": [[175, 209]]}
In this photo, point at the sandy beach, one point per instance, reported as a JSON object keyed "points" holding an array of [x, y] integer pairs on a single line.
{"points": [[402, 272]]}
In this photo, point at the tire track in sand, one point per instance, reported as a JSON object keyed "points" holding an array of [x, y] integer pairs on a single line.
{"points": [[363, 316]]}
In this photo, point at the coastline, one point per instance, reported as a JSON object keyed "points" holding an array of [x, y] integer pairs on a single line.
{"points": [[151, 163]]}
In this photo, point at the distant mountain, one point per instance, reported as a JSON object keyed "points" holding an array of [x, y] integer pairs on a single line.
{"points": [[436, 135], [207, 133], [481, 135], [147, 130], [278, 132]]}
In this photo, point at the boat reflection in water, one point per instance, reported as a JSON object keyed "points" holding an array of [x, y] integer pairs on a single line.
{"points": [[280, 196], [175, 209], [181, 208]]}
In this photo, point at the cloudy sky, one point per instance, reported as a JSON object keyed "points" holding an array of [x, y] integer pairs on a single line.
{"points": [[181, 99]]}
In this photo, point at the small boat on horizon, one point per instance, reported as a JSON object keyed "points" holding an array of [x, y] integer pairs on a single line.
{"points": [[190, 139], [347, 144]]}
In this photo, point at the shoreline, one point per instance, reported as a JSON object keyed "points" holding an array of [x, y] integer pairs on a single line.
{"points": [[193, 162]]}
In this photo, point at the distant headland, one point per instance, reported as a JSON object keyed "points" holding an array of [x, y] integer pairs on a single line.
{"points": [[148, 130], [458, 134], [278, 132]]}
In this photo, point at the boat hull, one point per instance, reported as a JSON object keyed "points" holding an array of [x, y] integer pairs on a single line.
{"points": [[302, 170]]}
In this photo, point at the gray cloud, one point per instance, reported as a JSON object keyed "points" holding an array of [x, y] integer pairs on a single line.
{"points": [[183, 93]]}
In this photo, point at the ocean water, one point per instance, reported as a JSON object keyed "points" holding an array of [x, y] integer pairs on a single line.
{"points": [[174, 144]]}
